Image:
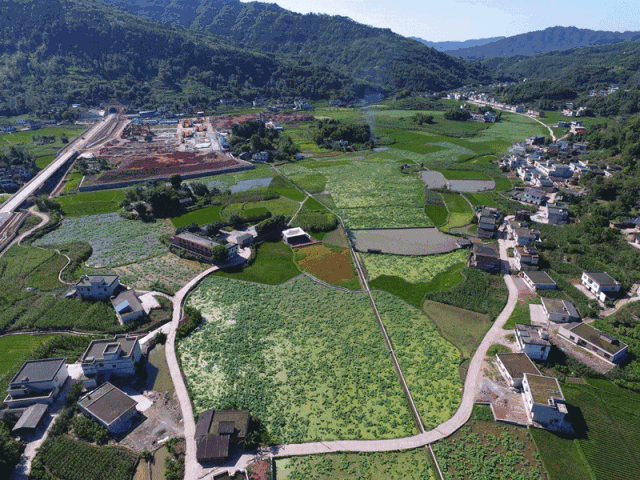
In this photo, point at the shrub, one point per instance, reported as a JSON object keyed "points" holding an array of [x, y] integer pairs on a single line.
{"points": [[193, 318], [270, 224], [87, 429]]}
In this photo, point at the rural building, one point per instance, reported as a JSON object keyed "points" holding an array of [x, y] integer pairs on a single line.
{"points": [[116, 356], [526, 257], [37, 381], [560, 311], [534, 341], [243, 239], [110, 407], [201, 246], [488, 219], [525, 236], [295, 236], [97, 287], [128, 306], [523, 216], [218, 431], [538, 280], [535, 140], [485, 257], [260, 157], [30, 419], [544, 400], [513, 366], [595, 341], [601, 284], [534, 196]]}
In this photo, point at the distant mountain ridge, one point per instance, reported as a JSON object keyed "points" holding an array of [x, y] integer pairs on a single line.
{"points": [[449, 46], [378, 56], [543, 41]]}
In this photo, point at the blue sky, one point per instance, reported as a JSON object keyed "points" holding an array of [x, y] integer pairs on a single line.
{"points": [[466, 19]]}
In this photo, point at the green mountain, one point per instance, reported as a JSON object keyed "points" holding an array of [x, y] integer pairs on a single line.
{"points": [[452, 46], [542, 41], [374, 55], [72, 51]]}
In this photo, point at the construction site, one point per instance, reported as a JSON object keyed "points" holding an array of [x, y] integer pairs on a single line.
{"points": [[141, 150]]}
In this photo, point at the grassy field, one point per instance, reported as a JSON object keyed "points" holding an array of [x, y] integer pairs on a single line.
{"points": [[428, 361], [331, 264], [607, 440], [280, 206], [463, 328], [273, 265], [521, 313], [307, 360], [409, 268], [481, 200], [460, 212], [484, 449], [91, 203], [438, 214], [15, 350], [201, 217], [114, 240], [413, 464]]}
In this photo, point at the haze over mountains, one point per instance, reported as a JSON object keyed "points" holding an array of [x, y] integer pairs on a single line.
{"points": [[542, 41], [452, 46]]}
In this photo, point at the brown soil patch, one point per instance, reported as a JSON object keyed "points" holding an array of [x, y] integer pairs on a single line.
{"points": [[225, 123], [332, 265]]}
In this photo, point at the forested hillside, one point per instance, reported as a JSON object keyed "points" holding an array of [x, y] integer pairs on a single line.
{"points": [[375, 55], [73, 51]]}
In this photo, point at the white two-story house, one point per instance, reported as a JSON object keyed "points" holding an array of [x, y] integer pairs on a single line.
{"points": [[113, 356], [97, 287], [601, 284]]}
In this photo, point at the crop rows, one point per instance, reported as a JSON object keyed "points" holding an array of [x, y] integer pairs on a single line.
{"points": [[412, 269]]}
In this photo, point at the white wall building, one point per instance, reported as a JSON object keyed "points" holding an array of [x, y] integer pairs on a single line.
{"points": [[113, 356], [601, 284], [544, 400], [37, 381], [97, 287], [534, 341]]}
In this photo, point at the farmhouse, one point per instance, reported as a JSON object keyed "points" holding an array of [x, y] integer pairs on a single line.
{"points": [[110, 407], [30, 419], [525, 236], [513, 366], [128, 306], [487, 222], [485, 257], [116, 356], [534, 341], [557, 215], [544, 400], [601, 284], [97, 287], [37, 381], [217, 431], [526, 258], [595, 341], [201, 246], [538, 280], [295, 236], [535, 196], [560, 311]]}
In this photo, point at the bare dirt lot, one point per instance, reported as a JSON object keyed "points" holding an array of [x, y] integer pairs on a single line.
{"points": [[225, 123], [405, 241]]}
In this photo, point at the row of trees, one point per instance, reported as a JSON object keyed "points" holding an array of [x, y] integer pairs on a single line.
{"points": [[332, 130], [253, 136]]}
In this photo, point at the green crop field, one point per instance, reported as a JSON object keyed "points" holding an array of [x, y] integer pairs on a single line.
{"points": [[279, 206], [607, 440], [484, 449], [416, 142], [309, 361], [114, 240], [411, 269], [201, 217], [464, 328], [428, 361], [91, 203], [460, 212], [413, 464], [481, 200], [15, 350], [438, 214]]}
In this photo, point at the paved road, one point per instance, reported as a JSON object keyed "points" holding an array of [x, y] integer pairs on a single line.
{"points": [[19, 198]]}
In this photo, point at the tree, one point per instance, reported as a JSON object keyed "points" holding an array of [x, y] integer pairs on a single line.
{"points": [[200, 189], [176, 181], [219, 254]]}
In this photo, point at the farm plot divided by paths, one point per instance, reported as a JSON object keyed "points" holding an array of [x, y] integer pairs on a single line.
{"points": [[407, 241], [114, 240], [413, 269], [306, 359]]}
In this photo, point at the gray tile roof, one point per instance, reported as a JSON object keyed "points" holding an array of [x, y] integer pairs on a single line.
{"points": [[97, 347], [517, 364], [131, 299], [485, 250], [39, 370], [31, 417], [560, 307], [602, 278], [539, 278], [88, 280], [107, 403], [531, 335]]}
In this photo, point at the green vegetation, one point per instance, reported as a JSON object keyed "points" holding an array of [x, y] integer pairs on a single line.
{"points": [[91, 203], [460, 212], [481, 200], [273, 265], [286, 188], [437, 213], [463, 328], [202, 216], [464, 175], [412, 464], [10, 451], [253, 137], [315, 217], [600, 446], [418, 269], [266, 343], [486, 449], [521, 313], [329, 131]]}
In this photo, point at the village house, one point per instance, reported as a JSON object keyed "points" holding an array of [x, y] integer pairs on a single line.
{"points": [[218, 431], [97, 287], [535, 140], [488, 219], [534, 196], [541, 181], [559, 311], [538, 280], [557, 215], [116, 356], [513, 366], [260, 157], [525, 172], [534, 341], [110, 407], [201, 246], [526, 257], [29, 419], [296, 236], [518, 148], [37, 382], [601, 284], [485, 257], [595, 341], [525, 236], [544, 400], [128, 307]]}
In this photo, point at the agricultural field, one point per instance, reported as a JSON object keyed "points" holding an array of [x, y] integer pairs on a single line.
{"points": [[428, 361], [15, 350], [413, 269], [438, 214], [201, 216], [464, 328], [236, 180], [607, 439], [484, 449], [114, 240], [91, 203], [460, 212], [308, 361], [280, 206], [413, 464], [168, 272], [481, 200], [331, 264], [464, 175], [68, 459]]}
